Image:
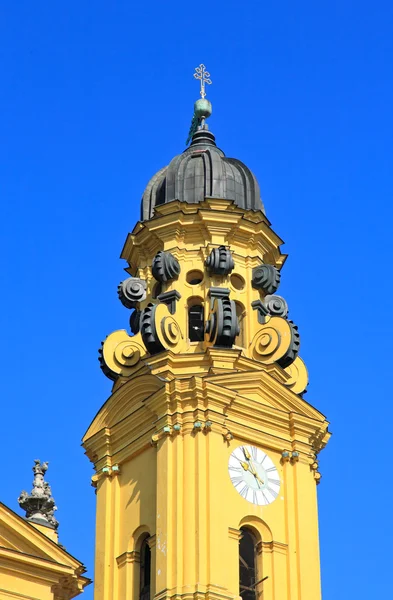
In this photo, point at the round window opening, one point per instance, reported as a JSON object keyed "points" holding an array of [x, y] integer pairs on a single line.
{"points": [[194, 277], [237, 282]]}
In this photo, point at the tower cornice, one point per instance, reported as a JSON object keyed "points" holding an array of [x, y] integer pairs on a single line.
{"points": [[249, 406], [179, 227]]}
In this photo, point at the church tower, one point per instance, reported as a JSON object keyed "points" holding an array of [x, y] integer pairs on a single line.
{"points": [[205, 454]]}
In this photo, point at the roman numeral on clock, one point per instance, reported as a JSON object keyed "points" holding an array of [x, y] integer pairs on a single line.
{"points": [[274, 481], [272, 492], [236, 480], [243, 491]]}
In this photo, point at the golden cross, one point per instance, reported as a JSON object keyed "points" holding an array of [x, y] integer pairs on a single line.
{"points": [[203, 76]]}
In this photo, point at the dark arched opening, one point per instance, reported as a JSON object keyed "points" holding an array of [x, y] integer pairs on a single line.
{"points": [[145, 571], [247, 566], [196, 327]]}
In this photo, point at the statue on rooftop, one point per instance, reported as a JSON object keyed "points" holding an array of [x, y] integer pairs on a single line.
{"points": [[39, 504]]}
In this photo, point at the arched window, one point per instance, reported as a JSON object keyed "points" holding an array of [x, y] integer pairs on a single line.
{"points": [[248, 578], [145, 571], [195, 320]]}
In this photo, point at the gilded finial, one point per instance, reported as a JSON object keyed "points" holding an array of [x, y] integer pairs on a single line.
{"points": [[204, 78]]}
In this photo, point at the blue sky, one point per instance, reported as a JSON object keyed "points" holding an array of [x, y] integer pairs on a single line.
{"points": [[95, 97]]}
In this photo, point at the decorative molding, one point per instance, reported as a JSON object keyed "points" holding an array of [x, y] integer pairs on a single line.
{"points": [[170, 299], [261, 309], [314, 468], [128, 557], [217, 292], [274, 546], [234, 534]]}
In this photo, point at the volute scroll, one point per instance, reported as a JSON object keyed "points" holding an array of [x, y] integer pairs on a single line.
{"points": [[120, 353], [160, 330], [298, 376], [276, 341]]}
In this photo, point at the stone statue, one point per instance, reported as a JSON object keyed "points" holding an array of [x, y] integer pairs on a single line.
{"points": [[39, 504]]}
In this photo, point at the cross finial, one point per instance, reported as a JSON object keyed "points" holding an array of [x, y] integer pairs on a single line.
{"points": [[203, 76]]}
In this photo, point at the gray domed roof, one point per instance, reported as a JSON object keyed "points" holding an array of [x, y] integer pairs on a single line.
{"points": [[202, 170]]}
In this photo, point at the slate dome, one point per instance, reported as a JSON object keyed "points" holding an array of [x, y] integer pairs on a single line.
{"points": [[202, 170]]}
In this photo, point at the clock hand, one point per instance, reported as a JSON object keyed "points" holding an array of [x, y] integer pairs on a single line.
{"points": [[246, 453], [245, 465], [248, 457], [251, 465], [258, 478]]}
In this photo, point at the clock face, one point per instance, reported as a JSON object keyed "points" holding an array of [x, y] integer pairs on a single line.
{"points": [[254, 475]]}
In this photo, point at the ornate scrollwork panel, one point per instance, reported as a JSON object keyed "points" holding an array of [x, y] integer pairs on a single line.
{"points": [[276, 341], [160, 330], [120, 353], [266, 278]]}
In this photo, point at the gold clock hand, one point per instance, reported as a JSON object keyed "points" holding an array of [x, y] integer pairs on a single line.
{"points": [[258, 478], [245, 465], [251, 465], [246, 453]]}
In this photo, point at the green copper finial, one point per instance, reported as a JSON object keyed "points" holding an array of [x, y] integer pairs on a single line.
{"points": [[202, 107]]}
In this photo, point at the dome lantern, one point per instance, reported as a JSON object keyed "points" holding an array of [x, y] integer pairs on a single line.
{"points": [[202, 170]]}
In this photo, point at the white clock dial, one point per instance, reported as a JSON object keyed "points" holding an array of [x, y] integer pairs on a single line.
{"points": [[254, 475]]}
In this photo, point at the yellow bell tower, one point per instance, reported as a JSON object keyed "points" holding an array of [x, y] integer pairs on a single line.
{"points": [[206, 452]]}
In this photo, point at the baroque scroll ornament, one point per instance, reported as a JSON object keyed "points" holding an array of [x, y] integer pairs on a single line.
{"points": [[159, 329], [220, 261], [276, 341], [223, 324], [131, 291], [165, 267], [276, 305], [120, 353], [266, 278], [298, 376]]}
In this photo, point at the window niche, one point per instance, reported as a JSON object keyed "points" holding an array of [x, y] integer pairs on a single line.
{"points": [[196, 324], [145, 570], [248, 576]]}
